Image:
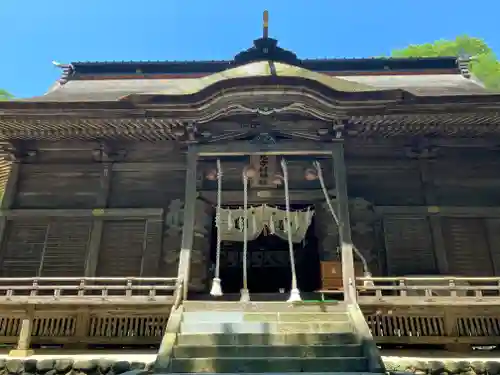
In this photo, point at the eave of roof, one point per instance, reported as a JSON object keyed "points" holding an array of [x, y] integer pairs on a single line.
{"points": [[92, 91], [383, 64], [360, 102]]}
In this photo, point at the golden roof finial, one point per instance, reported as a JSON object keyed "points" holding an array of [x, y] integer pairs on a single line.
{"points": [[265, 24]]}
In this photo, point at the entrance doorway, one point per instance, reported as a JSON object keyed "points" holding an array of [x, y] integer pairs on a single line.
{"points": [[268, 263]]}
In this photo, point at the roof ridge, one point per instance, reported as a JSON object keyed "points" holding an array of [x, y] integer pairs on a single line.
{"points": [[314, 59]]}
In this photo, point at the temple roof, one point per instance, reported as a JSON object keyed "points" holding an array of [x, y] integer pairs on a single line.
{"points": [[113, 89], [105, 90], [112, 81]]}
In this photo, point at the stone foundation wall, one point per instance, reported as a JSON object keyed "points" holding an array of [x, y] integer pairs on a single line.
{"points": [[103, 366], [448, 367], [68, 366]]}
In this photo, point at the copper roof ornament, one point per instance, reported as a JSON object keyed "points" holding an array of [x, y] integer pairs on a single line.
{"points": [[266, 49], [265, 24]]}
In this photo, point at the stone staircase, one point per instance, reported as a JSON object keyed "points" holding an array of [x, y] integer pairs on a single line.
{"points": [[269, 337]]}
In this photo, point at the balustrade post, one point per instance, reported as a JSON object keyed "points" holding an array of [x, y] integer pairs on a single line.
{"points": [[82, 323], [23, 348]]}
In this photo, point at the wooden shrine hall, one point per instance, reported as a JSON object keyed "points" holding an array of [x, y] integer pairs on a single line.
{"points": [[124, 171]]}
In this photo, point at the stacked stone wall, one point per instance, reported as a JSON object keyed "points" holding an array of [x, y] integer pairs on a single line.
{"points": [[103, 366]]}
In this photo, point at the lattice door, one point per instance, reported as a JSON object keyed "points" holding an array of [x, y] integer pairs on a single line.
{"points": [[467, 247], [409, 246]]}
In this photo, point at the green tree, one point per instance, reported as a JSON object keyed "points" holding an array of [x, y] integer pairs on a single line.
{"points": [[5, 95], [484, 64]]}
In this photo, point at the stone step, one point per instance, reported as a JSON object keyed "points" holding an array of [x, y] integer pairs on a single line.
{"points": [[190, 306], [289, 351], [263, 327], [239, 317], [266, 339], [269, 364]]}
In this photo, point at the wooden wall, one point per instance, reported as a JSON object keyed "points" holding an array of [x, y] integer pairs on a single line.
{"points": [[78, 176], [429, 241]]}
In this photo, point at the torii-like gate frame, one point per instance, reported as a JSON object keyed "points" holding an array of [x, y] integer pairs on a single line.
{"points": [[334, 149]]}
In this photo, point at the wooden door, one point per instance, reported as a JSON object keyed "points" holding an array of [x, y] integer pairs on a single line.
{"points": [[467, 247], [129, 248], [47, 248], [23, 247], [409, 247], [66, 248]]}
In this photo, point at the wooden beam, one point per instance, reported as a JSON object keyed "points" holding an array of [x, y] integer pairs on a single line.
{"points": [[414, 301], [86, 301], [280, 148], [449, 211], [107, 213], [190, 196], [146, 166], [258, 196], [345, 239]]}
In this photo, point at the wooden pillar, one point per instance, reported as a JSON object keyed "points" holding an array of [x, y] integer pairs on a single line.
{"points": [[188, 217], [345, 239], [435, 222], [24, 340], [94, 246], [9, 196], [98, 223]]}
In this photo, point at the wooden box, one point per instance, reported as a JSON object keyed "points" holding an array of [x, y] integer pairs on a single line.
{"points": [[331, 274]]}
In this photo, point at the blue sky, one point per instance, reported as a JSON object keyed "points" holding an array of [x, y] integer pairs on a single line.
{"points": [[35, 32]]}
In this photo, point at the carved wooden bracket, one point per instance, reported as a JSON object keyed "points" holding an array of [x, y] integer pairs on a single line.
{"points": [[108, 152], [19, 151], [421, 148]]}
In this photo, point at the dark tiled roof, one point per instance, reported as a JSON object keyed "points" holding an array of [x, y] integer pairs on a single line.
{"points": [[104, 81], [81, 69], [263, 49]]}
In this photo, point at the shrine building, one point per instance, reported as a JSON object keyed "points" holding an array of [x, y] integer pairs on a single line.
{"points": [[254, 169]]}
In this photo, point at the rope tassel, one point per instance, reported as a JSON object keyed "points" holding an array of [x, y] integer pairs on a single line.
{"points": [[216, 289], [294, 293]]}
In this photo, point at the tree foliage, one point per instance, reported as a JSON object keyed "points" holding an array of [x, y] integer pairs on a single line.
{"points": [[484, 64], [5, 95]]}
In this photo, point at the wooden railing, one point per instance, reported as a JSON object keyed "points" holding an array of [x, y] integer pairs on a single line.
{"points": [[437, 310], [431, 287], [86, 310], [88, 290]]}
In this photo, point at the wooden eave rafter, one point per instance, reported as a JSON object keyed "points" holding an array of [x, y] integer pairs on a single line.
{"points": [[158, 129]]}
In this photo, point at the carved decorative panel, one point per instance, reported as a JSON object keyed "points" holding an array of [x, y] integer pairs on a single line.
{"points": [[200, 254]]}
